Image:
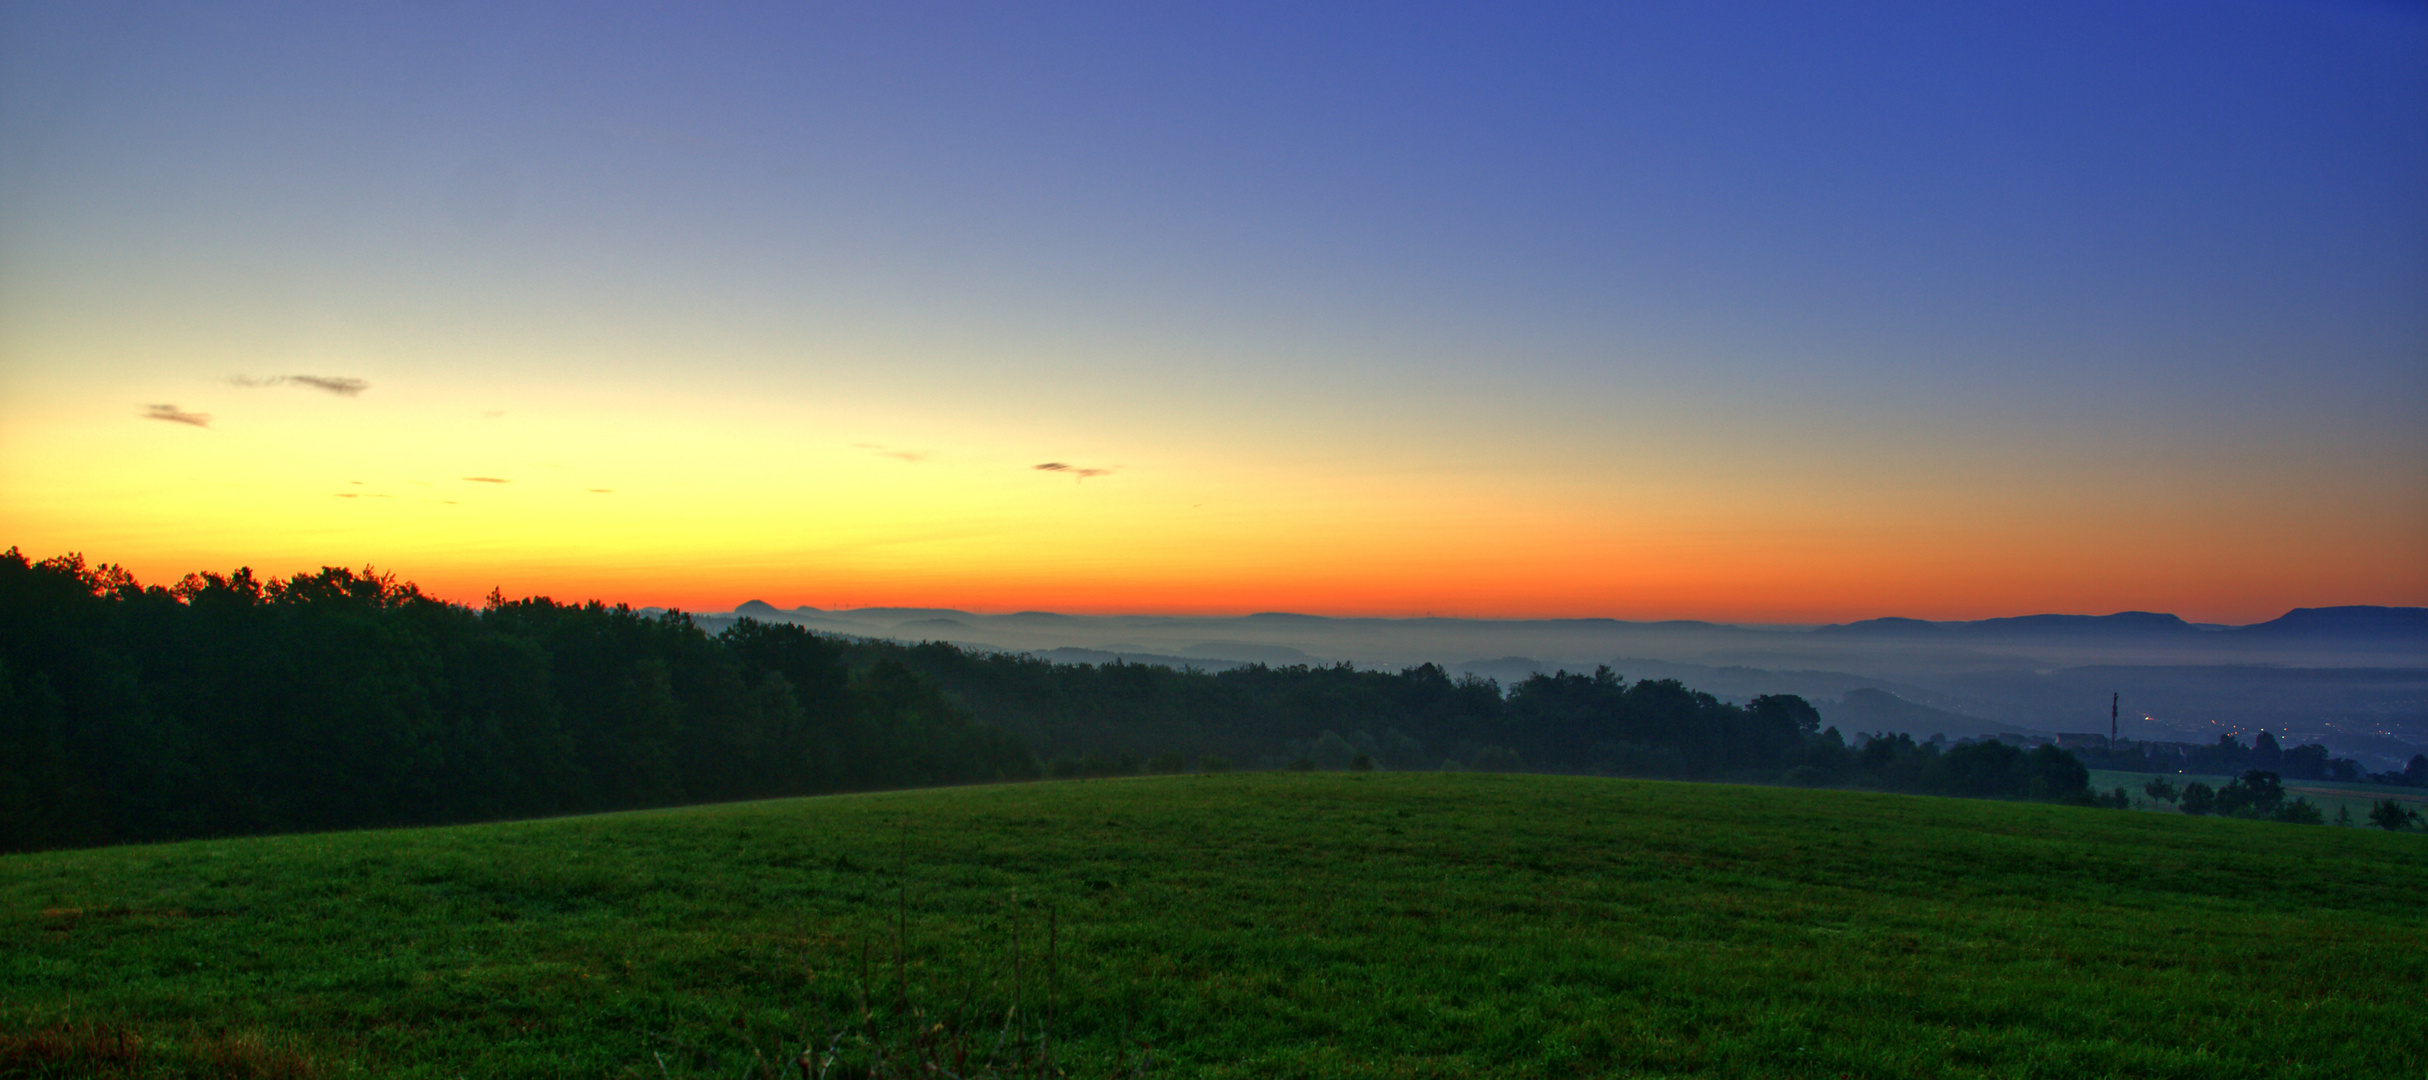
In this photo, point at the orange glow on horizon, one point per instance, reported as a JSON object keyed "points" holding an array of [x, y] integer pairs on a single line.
{"points": [[1570, 583], [702, 501]]}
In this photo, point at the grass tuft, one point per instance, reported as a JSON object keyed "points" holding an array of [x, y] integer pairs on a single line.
{"points": [[113, 1050]]}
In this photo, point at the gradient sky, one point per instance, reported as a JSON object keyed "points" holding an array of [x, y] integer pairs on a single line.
{"points": [[1760, 312]]}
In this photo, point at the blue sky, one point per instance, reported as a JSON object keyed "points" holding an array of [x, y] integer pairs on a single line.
{"points": [[1985, 266]]}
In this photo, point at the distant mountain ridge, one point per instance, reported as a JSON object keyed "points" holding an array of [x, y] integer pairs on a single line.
{"points": [[2353, 622], [2348, 621], [2365, 621]]}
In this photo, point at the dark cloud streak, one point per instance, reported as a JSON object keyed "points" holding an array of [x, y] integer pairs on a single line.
{"points": [[341, 385], [175, 415], [1073, 470]]}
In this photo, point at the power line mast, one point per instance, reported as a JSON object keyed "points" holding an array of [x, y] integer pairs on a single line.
{"points": [[2113, 698]]}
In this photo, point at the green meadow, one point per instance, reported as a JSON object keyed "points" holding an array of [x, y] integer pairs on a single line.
{"points": [[1239, 925]]}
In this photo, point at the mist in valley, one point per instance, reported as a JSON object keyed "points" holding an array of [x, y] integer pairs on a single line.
{"points": [[2354, 679]]}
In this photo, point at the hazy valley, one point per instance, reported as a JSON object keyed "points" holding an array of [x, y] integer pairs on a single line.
{"points": [[2352, 678]]}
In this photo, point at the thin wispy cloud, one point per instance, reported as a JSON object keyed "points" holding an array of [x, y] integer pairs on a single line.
{"points": [[912, 456], [600, 491], [175, 415], [1073, 471], [341, 385], [485, 479]]}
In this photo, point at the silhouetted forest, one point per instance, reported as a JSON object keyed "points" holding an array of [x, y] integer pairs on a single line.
{"points": [[2228, 757], [228, 704], [1100, 720]]}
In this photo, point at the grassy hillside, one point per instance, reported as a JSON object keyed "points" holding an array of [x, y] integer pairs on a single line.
{"points": [[1245, 925]]}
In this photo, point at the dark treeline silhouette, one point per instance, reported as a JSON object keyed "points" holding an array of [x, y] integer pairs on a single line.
{"points": [[229, 704], [2257, 793], [2414, 774], [1117, 718], [2229, 757]]}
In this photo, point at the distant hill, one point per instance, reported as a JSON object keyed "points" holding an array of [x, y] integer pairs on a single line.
{"points": [[1285, 618], [1891, 626], [2366, 626], [1250, 652], [1037, 618], [2353, 621], [1100, 657], [906, 613], [2121, 624], [1877, 710], [2342, 625]]}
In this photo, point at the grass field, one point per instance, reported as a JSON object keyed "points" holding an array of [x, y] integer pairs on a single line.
{"points": [[2330, 796], [1244, 925]]}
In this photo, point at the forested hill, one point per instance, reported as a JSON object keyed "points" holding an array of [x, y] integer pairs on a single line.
{"points": [[335, 699], [230, 704], [1090, 717]]}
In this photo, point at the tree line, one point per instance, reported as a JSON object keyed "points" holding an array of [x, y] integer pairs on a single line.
{"points": [[231, 704], [2229, 757], [1108, 719], [339, 699], [2257, 793]]}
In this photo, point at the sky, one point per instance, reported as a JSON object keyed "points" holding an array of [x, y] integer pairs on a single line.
{"points": [[1767, 312]]}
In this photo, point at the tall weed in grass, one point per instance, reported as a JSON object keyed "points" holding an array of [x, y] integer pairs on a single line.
{"points": [[982, 1013], [1007, 1034]]}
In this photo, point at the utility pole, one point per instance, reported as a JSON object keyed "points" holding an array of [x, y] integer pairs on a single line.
{"points": [[2113, 698]]}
